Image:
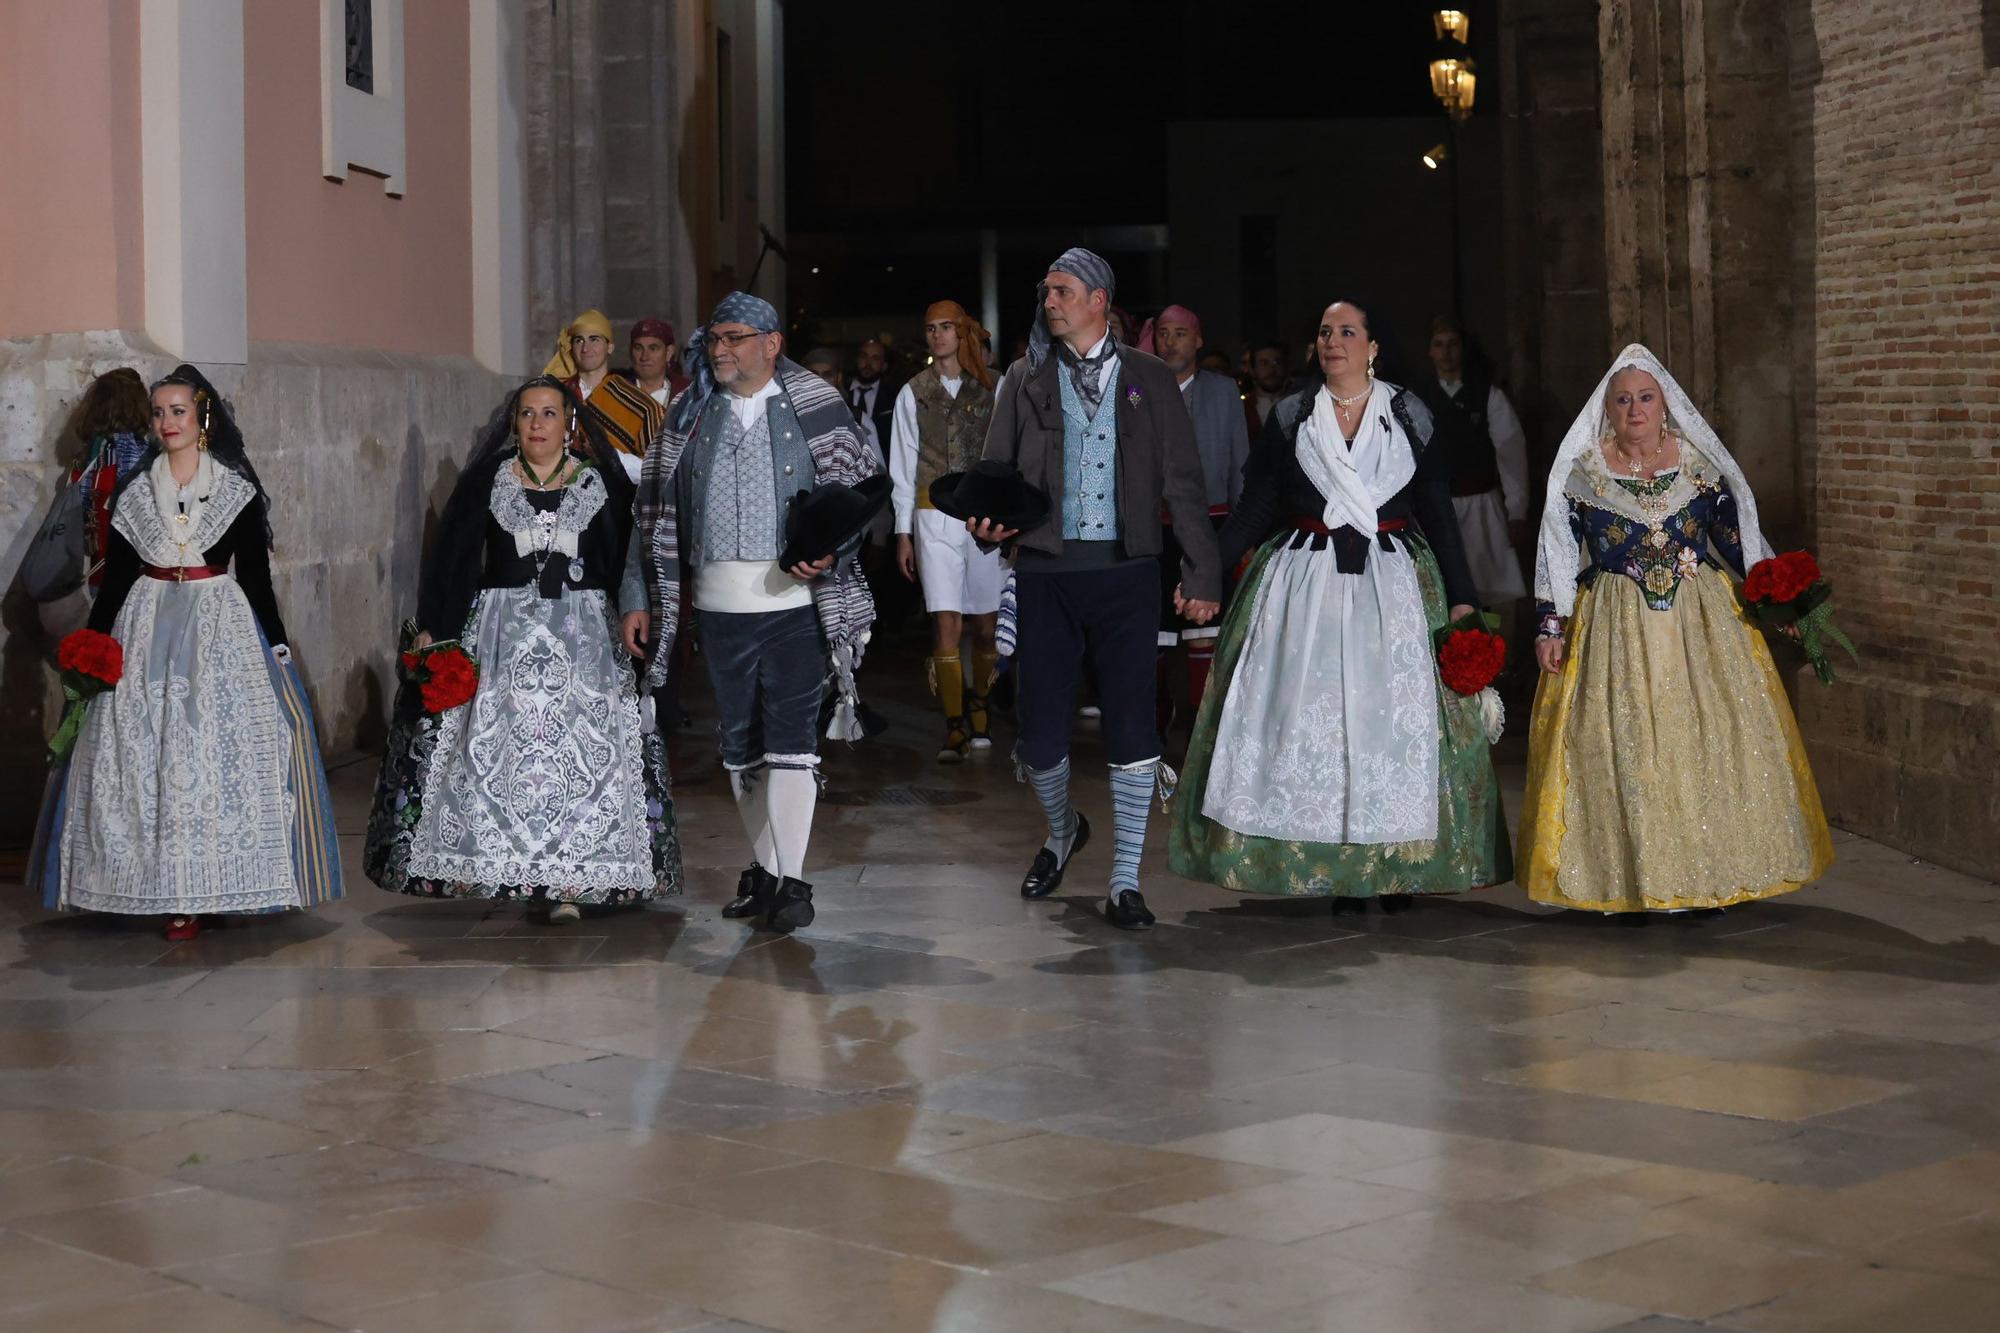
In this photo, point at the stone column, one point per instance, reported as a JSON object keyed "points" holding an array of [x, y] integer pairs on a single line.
{"points": [[1699, 217], [1557, 341], [565, 169]]}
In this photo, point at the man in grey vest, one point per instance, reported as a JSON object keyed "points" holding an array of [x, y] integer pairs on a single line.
{"points": [[1101, 429], [752, 431]]}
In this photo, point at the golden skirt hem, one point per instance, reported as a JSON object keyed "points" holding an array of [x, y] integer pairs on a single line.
{"points": [[1665, 767]]}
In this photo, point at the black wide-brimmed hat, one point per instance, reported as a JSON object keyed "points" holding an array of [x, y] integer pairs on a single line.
{"points": [[820, 521], [991, 490]]}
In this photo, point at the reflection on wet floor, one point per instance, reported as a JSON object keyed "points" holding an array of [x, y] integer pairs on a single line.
{"points": [[943, 1108]]}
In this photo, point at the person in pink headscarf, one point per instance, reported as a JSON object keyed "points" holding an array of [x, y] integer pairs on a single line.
{"points": [[1222, 437]]}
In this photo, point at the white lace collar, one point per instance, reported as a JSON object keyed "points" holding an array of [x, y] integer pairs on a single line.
{"points": [[1592, 482], [141, 515], [535, 530]]}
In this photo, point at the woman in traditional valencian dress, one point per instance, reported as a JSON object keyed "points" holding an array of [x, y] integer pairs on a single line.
{"points": [[195, 787], [1665, 770], [550, 784], [1328, 758]]}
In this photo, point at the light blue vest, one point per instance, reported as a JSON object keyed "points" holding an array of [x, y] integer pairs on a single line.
{"points": [[1090, 461]]}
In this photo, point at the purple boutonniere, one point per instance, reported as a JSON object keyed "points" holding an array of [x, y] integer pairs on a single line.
{"points": [[1133, 396]]}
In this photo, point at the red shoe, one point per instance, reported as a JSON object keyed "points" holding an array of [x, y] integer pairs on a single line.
{"points": [[183, 927]]}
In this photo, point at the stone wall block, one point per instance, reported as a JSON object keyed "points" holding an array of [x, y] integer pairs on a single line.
{"points": [[628, 232], [625, 86], [1746, 39]]}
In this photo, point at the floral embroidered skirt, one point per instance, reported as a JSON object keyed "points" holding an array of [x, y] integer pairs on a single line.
{"points": [[545, 785], [1470, 850], [1665, 769]]}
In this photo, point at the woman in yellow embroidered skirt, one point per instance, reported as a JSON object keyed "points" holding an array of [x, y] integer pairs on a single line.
{"points": [[1665, 770]]}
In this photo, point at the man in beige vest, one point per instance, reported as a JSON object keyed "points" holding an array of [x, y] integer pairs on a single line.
{"points": [[939, 426]]}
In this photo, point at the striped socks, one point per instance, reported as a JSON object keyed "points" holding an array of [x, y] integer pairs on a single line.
{"points": [[1052, 788], [1131, 794]]}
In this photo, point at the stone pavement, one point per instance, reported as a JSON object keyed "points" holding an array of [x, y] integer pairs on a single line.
{"points": [[944, 1108]]}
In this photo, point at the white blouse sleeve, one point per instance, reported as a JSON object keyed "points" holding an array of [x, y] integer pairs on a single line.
{"points": [[903, 459]]}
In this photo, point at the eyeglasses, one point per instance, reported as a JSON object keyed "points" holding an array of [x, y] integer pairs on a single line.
{"points": [[734, 339]]}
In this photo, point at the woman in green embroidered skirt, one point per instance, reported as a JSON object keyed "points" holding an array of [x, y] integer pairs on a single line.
{"points": [[1328, 759]]}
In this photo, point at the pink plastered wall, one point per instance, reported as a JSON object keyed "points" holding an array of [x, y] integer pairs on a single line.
{"points": [[69, 152], [340, 263]]}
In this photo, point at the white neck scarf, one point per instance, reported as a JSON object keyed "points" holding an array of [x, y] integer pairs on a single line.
{"points": [[183, 523], [1557, 557], [1358, 481]]}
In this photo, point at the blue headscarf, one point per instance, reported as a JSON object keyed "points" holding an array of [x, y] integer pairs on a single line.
{"points": [[1079, 263], [735, 308]]}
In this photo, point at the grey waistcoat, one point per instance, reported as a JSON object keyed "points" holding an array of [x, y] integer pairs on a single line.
{"points": [[706, 477]]}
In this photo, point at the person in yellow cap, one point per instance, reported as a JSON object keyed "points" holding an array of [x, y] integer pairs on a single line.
{"points": [[629, 416]]}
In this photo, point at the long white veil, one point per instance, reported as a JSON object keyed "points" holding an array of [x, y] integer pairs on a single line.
{"points": [[1557, 557]]}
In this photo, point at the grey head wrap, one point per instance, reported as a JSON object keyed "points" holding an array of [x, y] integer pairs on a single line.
{"points": [[735, 308], [1077, 262]]}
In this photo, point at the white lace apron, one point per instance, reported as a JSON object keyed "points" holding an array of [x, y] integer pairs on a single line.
{"points": [[538, 781], [178, 800], [1329, 731]]}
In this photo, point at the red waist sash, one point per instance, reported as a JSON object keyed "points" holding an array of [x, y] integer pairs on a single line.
{"points": [[1307, 523], [182, 573]]}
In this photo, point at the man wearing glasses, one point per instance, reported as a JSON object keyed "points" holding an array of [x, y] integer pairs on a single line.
{"points": [[753, 430]]}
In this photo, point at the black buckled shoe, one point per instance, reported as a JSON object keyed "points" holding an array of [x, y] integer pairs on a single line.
{"points": [[791, 906], [1044, 877], [753, 894], [1127, 911]]}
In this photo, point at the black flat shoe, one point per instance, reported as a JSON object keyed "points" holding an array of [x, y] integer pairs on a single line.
{"points": [[1128, 911], [1044, 877], [1628, 918], [791, 906], [1349, 906], [753, 894], [1392, 903]]}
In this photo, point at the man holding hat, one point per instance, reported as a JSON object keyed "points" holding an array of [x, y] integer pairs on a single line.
{"points": [[1222, 437], [750, 504], [629, 417], [939, 427], [1101, 429]]}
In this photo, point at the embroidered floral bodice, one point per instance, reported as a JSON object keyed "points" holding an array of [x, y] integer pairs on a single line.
{"points": [[1655, 532]]}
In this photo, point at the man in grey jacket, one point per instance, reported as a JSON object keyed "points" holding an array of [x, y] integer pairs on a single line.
{"points": [[1101, 428], [1222, 437]]}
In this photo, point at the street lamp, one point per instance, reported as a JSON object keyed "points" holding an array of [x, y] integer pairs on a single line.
{"points": [[1454, 86], [1452, 78]]}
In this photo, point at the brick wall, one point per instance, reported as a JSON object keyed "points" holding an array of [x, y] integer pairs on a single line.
{"points": [[1903, 279]]}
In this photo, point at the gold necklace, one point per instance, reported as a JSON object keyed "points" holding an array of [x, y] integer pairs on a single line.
{"points": [[1632, 464]]}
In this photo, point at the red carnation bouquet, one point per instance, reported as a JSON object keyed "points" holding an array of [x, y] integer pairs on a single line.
{"points": [[445, 676], [1470, 656], [91, 662], [1788, 591]]}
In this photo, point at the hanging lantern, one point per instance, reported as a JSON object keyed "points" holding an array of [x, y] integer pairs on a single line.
{"points": [[1453, 82]]}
